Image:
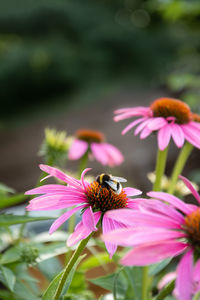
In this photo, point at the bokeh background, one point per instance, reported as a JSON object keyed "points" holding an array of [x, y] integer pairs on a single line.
{"points": [[68, 64]]}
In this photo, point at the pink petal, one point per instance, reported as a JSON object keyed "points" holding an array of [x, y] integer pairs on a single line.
{"points": [[164, 135], [62, 176], [133, 112], [77, 149], [88, 219], [108, 225], [64, 217], [131, 191], [166, 279], [177, 135], [84, 183], [152, 253], [184, 277], [50, 188], [190, 187], [140, 109], [131, 125], [196, 276], [145, 133], [115, 157], [142, 126], [176, 202], [136, 236], [81, 232], [136, 218], [156, 123], [192, 134], [99, 153]]}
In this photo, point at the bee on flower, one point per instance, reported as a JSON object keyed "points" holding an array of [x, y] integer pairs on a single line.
{"points": [[93, 200]]}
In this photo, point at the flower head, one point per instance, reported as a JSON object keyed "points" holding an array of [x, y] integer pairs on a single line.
{"points": [[93, 200], [160, 230], [172, 118], [94, 142]]}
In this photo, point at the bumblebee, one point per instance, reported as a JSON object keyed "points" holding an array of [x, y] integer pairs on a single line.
{"points": [[110, 182]]}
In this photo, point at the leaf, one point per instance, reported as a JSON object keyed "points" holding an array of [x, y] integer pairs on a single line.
{"points": [[52, 288], [94, 261], [10, 256], [134, 278], [107, 282], [7, 201], [156, 268], [10, 219], [8, 277], [23, 292], [4, 189]]}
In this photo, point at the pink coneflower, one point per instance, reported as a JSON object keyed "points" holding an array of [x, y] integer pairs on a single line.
{"points": [[160, 231], [90, 198], [170, 117], [173, 275], [94, 142]]}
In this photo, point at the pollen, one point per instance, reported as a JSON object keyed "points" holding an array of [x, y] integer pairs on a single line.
{"points": [[196, 118], [168, 107], [90, 135], [104, 199], [192, 227]]}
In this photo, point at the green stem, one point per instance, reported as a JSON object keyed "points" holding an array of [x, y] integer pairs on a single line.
{"points": [[166, 291], [179, 165], [69, 266], [160, 169]]}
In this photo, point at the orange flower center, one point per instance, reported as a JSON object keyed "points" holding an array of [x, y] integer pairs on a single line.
{"points": [[104, 199], [192, 227], [196, 118], [168, 107], [90, 136]]}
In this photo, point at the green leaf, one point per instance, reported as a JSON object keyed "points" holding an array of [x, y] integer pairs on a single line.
{"points": [[107, 282], [52, 288], [4, 189], [10, 256], [134, 279], [23, 292], [7, 277], [156, 268], [94, 261], [9, 219], [7, 201]]}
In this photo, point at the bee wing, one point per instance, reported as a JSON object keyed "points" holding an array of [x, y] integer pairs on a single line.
{"points": [[112, 184], [120, 179]]}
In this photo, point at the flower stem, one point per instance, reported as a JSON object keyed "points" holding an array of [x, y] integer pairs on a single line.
{"points": [[179, 165], [69, 266], [166, 291], [160, 169]]}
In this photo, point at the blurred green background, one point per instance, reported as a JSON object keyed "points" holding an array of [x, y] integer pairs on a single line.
{"points": [[50, 50]]}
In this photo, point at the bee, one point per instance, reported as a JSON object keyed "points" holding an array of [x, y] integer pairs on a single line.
{"points": [[110, 182]]}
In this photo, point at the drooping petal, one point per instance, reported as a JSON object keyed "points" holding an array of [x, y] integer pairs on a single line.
{"points": [[48, 188], [177, 135], [131, 191], [138, 109], [131, 125], [164, 135], [184, 277], [133, 112], [77, 149], [99, 153], [64, 217], [108, 225], [152, 253], [192, 134], [145, 133], [156, 123], [88, 219], [138, 236], [84, 183], [115, 157], [81, 232], [190, 187], [142, 126], [176, 202]]}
